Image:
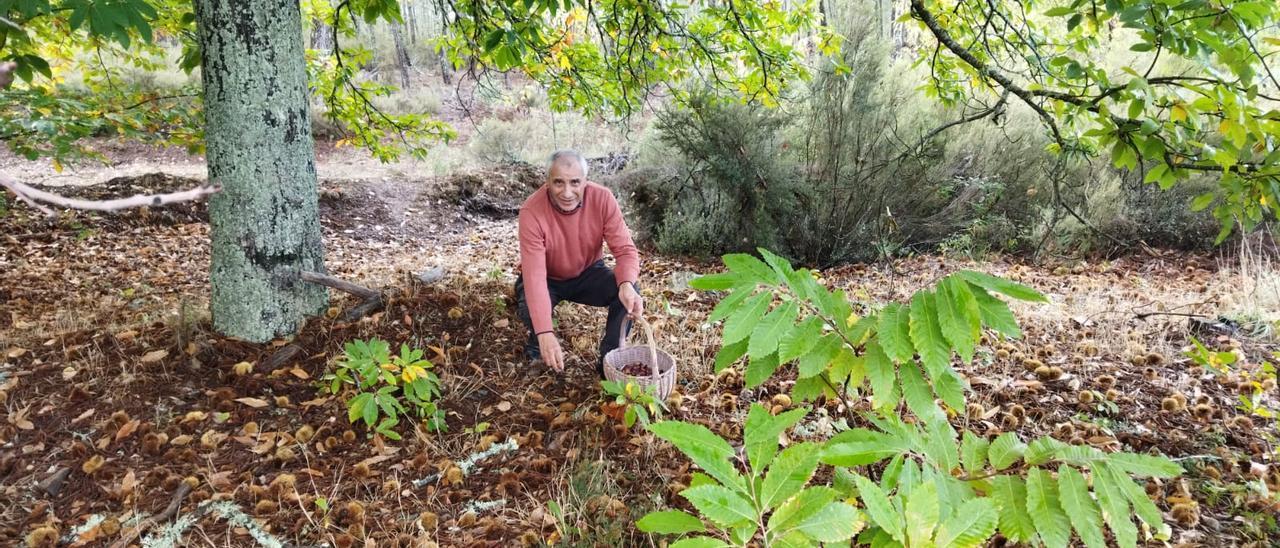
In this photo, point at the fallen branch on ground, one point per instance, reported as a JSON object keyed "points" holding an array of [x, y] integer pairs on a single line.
{"points": [[174, 504], [473, 460], [372, 298], [35, 196]]}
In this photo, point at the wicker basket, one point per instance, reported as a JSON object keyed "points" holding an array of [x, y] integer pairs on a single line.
{"points": [[661, 364]]}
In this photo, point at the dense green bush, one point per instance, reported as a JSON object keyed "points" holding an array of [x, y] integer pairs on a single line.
{"points": [[845, 173]]}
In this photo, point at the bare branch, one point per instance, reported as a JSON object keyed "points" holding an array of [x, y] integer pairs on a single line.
{"points": [[944, 38], [32, 195]]}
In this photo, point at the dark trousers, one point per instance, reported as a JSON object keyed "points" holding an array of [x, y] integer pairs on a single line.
{"points": [[594, 287]]}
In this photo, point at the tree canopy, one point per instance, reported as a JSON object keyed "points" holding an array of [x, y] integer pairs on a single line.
{"points": [[1167, 87]]}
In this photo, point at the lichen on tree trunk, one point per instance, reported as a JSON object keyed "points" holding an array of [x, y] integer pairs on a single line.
{"points": [[265, 223]]}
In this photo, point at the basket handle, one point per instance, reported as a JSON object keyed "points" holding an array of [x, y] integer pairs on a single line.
{"points": [[653, 350]]}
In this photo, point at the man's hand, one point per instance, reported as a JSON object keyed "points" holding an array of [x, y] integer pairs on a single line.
{"points": [[631, 300], [549, 346]]}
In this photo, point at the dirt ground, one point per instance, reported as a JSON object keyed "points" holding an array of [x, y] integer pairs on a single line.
{"points": [[116, 394]]}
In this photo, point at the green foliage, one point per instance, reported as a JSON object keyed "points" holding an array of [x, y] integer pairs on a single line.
{"points": [[597, 57], [1201, 96], [606, 57], [939, 488], [385, 386], [771, 501], [639, 402], [771, 306]]}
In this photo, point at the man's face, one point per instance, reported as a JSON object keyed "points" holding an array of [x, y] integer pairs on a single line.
{"points": [[565, 182]]}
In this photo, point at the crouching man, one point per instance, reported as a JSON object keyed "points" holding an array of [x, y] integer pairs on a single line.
{"points": [[562, 227]]}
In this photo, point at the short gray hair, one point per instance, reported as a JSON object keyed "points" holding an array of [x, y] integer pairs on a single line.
{"points": [[569, 154]]}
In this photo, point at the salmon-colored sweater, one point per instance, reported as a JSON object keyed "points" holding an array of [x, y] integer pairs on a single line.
{"points": [[560, 246]]}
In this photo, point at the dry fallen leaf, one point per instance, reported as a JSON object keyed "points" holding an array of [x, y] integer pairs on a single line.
{"points": [[154, 356], [194, 416], [504, 406], [19, 419], [298, 372], [252, 402], [128, 483], [127, 429], [15, 352], [69, 373]]}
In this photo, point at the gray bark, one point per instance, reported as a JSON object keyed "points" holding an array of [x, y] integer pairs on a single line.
{"points": [[265, 224], [402, 54], [321, 35]]}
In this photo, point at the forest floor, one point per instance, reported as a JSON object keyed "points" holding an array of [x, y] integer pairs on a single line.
{"points": [[116, 393]]}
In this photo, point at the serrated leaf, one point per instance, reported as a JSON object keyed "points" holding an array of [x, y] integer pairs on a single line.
{"points": [[751, 269], [917, 393], [1002, 286], [970, 525], [950, 389], [860, 446], [922, 514], [705, 449], [1115, 508], [716, 282], [798, 508], [1046, 513], [1145, 465], [1005, 450], [879, 509], [811, 389], [883, 375], [800, 339], [1137, 496], [958, 316], [1042, 450], [780, 266], [973, 452], [729, 354], [766, 334], [760, 370], [720, 505], [730, 304], [792, 539], [1010, 495], [1079, 455], [760, 433], [742, 322], [894, 334], [820, 357], [835, 522], [995, 313], [940, 445], [1073, 493], [699, 542], [926, 335], [789, 473], [670, 522], [861, 330]]}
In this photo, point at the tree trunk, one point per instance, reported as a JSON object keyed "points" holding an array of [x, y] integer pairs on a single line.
{"points": [[265, 224], [402, 54], [410, 11], [321, 35]]}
